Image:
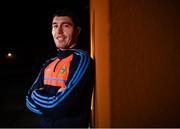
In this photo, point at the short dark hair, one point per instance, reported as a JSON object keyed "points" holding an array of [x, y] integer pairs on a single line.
{"points": [[70, 13]]}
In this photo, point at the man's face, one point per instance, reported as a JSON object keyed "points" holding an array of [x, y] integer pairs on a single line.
{"points": [[64, 32]]}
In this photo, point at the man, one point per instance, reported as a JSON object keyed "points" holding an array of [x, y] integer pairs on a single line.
{"points": [[61, 94]]}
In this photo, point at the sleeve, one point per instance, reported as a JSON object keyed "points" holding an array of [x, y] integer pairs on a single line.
{"points": [[77, 95], [38, 83]]}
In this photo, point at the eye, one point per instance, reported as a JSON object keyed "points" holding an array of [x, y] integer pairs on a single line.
{"points": [[54, 26], [66, 25]]}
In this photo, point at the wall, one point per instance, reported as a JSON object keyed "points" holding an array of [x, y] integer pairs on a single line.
{"points": [[144, 63], [137, 52], [100, 48]]}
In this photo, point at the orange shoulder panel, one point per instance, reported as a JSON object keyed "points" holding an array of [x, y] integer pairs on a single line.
{"points": [[56, 73]]}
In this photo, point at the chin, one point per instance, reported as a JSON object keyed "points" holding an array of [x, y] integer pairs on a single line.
{"points": [[62, 48]]}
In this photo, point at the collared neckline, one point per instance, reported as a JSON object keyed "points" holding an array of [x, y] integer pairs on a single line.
{"points": [[63, 53]]}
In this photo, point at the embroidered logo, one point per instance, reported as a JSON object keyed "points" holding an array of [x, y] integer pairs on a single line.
{"points": [[63, 69]]}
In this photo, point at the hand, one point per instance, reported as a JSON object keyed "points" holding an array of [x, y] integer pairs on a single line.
{"points": [[62, 89], [42, 88]]}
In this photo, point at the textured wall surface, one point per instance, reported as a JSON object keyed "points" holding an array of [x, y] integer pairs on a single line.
{"points": [[145, 63]]}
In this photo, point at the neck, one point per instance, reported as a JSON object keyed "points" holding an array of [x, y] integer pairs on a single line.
{"points": [[72, 46]]}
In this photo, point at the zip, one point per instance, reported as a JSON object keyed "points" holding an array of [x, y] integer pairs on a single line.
{"points": [[56, 66]]}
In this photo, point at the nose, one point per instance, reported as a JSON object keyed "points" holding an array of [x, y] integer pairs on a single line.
{"points": [[60, 30]]}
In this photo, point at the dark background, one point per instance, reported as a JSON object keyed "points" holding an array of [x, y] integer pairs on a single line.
{"points": [[26, 33]]}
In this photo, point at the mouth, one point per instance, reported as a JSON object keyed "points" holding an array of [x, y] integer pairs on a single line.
{"points": [[60, 38]]}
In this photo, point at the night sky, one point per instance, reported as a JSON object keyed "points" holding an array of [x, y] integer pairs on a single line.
{"points": [[26, 34]]}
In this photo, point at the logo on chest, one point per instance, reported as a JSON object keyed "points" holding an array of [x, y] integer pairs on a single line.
{"points": [[63, 69]]}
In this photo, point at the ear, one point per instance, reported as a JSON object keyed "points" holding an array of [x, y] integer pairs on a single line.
{"points": [[78, 30]]}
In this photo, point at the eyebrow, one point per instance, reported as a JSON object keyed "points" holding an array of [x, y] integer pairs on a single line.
{"points": [[65, 22]]}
